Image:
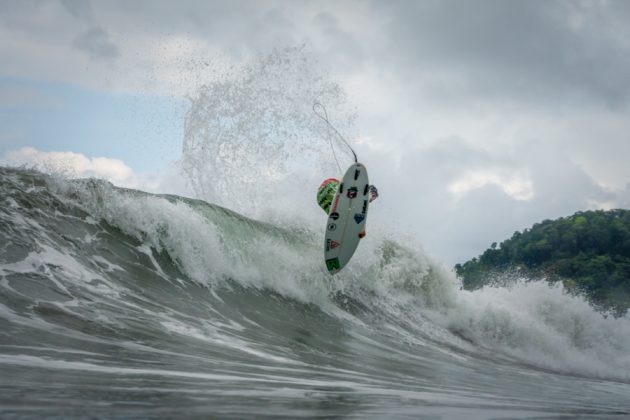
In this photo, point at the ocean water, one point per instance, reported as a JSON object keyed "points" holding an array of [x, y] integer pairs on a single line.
{"points": [[116, 303]]}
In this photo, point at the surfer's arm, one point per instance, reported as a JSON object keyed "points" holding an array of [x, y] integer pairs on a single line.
{"points": [[373, 193]]}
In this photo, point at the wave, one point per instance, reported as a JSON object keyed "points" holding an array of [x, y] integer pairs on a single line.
{"points": [[108, 281]]}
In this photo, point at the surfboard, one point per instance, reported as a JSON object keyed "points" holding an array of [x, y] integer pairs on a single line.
{"points": [[347, 218]]}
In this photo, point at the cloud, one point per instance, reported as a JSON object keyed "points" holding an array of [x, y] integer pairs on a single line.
{"points": [[459, 198], [624, 198], [556, 52], [139, 35], [553, 52], [72, 164], [81, 9], [96, 43], [517, 186], [77, 165]]}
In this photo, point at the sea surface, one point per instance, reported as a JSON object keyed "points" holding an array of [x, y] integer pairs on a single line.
{"points": [[116, 303]]}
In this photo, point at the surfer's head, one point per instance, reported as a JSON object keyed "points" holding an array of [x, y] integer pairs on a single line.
{"points": [[326, 193]]}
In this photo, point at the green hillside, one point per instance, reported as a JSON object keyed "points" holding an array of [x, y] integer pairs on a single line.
{"points": [[589, 252]]}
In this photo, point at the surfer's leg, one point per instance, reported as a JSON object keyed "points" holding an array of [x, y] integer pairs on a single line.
{"points": [[362, 234]]}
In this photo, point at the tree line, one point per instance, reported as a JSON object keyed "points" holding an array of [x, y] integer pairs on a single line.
{"points": [[588, 251]]}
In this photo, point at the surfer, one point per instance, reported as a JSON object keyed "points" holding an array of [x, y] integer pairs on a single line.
{"points": [[326, 194]]}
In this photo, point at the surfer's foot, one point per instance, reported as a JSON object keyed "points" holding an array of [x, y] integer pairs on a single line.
{"points": [[362, 234]]}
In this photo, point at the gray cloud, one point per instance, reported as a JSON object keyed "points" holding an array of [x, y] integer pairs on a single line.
{"points": [[339, 45], [624, 197], [415, 193], [96, 43], [538, 51], [81, 9]]}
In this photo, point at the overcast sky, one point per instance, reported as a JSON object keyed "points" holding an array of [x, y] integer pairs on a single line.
{"points": [[487, 116]]}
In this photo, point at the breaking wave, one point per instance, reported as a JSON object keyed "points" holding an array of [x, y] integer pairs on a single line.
{"points": [[134, 294]]}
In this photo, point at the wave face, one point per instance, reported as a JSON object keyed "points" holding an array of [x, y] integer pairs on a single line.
{"points": [[118, 303]]}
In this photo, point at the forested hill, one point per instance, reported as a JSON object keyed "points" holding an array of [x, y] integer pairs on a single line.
{"points": [[589, 252]]}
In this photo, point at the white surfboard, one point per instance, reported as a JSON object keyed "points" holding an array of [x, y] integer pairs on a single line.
{"points": [[347, 218]]}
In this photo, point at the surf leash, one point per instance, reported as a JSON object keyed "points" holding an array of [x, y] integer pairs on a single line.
{"points": [[324, 116]]}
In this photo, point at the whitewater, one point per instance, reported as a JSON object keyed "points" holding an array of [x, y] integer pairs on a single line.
{"points": [[118, 303]]}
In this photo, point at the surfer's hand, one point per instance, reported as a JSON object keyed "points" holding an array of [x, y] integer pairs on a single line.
{"points": [[373, 193]]}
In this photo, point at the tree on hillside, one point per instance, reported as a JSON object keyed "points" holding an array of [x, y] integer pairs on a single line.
{"points": [[589, 252]]}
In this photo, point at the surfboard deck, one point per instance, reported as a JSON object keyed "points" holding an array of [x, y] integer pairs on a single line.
{"points": [[347, 218]]}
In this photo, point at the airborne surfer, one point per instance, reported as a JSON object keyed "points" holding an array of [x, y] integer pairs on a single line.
{"points": [[326, 194], [346, 204]]}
